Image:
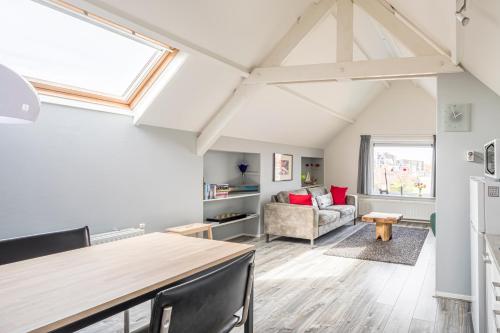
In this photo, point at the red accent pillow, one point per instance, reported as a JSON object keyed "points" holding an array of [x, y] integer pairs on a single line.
{"points": [[300, 199], [339, 194]]}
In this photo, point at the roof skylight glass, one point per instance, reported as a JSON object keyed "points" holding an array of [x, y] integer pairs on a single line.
{"points": [[59, 48]]}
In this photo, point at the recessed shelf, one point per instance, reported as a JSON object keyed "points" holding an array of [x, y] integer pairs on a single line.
{"points": [[234, 196], [217, 225]]}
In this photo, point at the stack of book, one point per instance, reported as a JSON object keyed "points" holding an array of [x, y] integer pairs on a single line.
{"points": [[215, 191]]}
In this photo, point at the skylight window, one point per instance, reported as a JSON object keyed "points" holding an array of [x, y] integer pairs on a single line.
{"points": [[67, 52]]}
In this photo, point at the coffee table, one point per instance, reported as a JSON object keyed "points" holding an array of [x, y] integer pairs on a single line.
{"points": [[383, 223]]}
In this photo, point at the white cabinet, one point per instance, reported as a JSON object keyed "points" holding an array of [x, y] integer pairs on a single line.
{"points": [[492, 290]]}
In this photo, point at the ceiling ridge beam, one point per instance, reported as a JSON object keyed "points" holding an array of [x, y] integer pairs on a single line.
{"points": [[380, 69], [304, 24], [391, 20], [345, 30], [320, 106]]}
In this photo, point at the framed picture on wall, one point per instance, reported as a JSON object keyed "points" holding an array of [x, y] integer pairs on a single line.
{"points": [[283, 167]]}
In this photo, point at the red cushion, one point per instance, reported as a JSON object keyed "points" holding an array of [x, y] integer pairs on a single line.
{"points": [[339, 194], [300, 199]]}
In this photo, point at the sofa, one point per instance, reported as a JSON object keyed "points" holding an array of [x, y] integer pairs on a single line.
{"points": [[306, 222]]}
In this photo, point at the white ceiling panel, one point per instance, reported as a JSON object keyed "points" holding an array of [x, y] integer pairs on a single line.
{"points": [[276, 116]]}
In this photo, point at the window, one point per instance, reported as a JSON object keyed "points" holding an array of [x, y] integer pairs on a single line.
{"points": [[402, 169], [67, 52]]}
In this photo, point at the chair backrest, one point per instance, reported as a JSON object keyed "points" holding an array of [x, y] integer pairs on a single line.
{"points": [[28, 247], [207, 303]]}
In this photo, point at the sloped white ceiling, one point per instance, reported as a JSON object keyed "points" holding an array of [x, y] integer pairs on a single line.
{"points": [[244, 32], [480, 39]]}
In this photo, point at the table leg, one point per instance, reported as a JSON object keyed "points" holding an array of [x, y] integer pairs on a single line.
{"points": [[209, 232], [383, 231], [249, 322]]}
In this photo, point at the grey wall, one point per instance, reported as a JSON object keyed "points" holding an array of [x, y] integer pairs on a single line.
{"points": [[453, 172], [77, 167], [267, 186]]}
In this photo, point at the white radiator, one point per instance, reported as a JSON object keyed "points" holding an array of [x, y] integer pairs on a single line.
{"points": [[116, 235], [411, 209]]}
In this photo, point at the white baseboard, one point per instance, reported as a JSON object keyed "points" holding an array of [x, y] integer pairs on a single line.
{"points": [[242, 234], [460, 297]]}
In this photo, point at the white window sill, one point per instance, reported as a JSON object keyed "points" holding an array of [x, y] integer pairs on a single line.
{"points": [[397, 197], [46, 99]]}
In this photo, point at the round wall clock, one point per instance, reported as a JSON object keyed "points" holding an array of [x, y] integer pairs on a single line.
{"points": [[456, 118]]}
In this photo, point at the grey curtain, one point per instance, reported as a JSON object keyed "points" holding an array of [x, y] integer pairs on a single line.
{"points": [[434, 166], [364, 164]]}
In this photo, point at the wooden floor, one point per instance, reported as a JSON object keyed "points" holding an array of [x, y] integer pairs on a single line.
{"points": [[299, 289]]}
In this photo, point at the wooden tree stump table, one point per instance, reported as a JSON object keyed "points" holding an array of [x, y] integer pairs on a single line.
{"points": [[192, 229], [383, 223]]}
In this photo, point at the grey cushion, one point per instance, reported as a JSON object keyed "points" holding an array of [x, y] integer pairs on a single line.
{"points": [[283, 195], [317, 191], [328, 216], [324, 200], [342, 209]]}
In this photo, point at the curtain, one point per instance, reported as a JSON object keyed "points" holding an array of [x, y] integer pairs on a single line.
{"points": [[364, 164], [434, 165]]}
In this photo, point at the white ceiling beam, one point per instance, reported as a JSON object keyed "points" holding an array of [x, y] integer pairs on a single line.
{"points": [[212, 131], [381, 69], [304, 24], [405, 34], [345, 33], [316, 104]]}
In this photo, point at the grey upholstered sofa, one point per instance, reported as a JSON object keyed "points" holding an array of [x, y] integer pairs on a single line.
{"points": [[306, 222]]}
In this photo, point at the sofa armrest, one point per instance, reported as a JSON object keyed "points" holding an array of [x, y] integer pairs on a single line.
{"points": [[291, 220], [352, 199]]}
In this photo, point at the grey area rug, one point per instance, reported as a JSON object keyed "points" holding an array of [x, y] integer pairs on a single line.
{"points": [[403, 248]]}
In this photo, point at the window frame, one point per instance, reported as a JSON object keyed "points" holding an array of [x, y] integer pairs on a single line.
{"points": [[400, 142], [142, 85]]}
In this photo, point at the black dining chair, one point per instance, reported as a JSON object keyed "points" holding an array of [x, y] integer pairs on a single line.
{"points": [[28, 247], [211, 302]]}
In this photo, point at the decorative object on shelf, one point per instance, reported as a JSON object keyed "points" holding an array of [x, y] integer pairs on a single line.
{"points": [[227, 217], [456, 118], [283, 167], [308, 178], [243, 167]]}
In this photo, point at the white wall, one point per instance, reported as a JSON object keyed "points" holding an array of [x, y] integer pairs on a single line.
{"points": [[453, 172], [78, 167], [403, 109]]}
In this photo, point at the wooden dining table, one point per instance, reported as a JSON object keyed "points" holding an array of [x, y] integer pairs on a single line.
{"points": [[71, 290]]}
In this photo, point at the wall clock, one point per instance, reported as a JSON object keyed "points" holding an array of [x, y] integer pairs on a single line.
{"points": [[456, 118]]}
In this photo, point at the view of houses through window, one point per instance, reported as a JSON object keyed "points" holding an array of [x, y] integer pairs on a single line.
{"points": [[402, 170]]}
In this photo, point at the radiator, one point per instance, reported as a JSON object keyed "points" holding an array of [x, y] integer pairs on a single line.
{"points": [[411, 209], [112, 236]]}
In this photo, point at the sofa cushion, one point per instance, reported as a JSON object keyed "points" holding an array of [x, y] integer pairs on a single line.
{"points": [[300, 199], [283, 195], [339, 194], [342, 209], [324, 200], [317, 191], [328, 216]]}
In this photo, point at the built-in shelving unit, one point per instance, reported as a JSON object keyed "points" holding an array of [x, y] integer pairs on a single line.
{"points": [[249, 217], [314, 166], [221, 167], [234, 196]]}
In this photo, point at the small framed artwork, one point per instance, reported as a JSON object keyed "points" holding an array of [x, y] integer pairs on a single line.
{"points": [[283, 167]]}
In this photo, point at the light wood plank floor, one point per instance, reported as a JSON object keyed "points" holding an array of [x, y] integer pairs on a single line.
{"points": [[299, 289]]}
